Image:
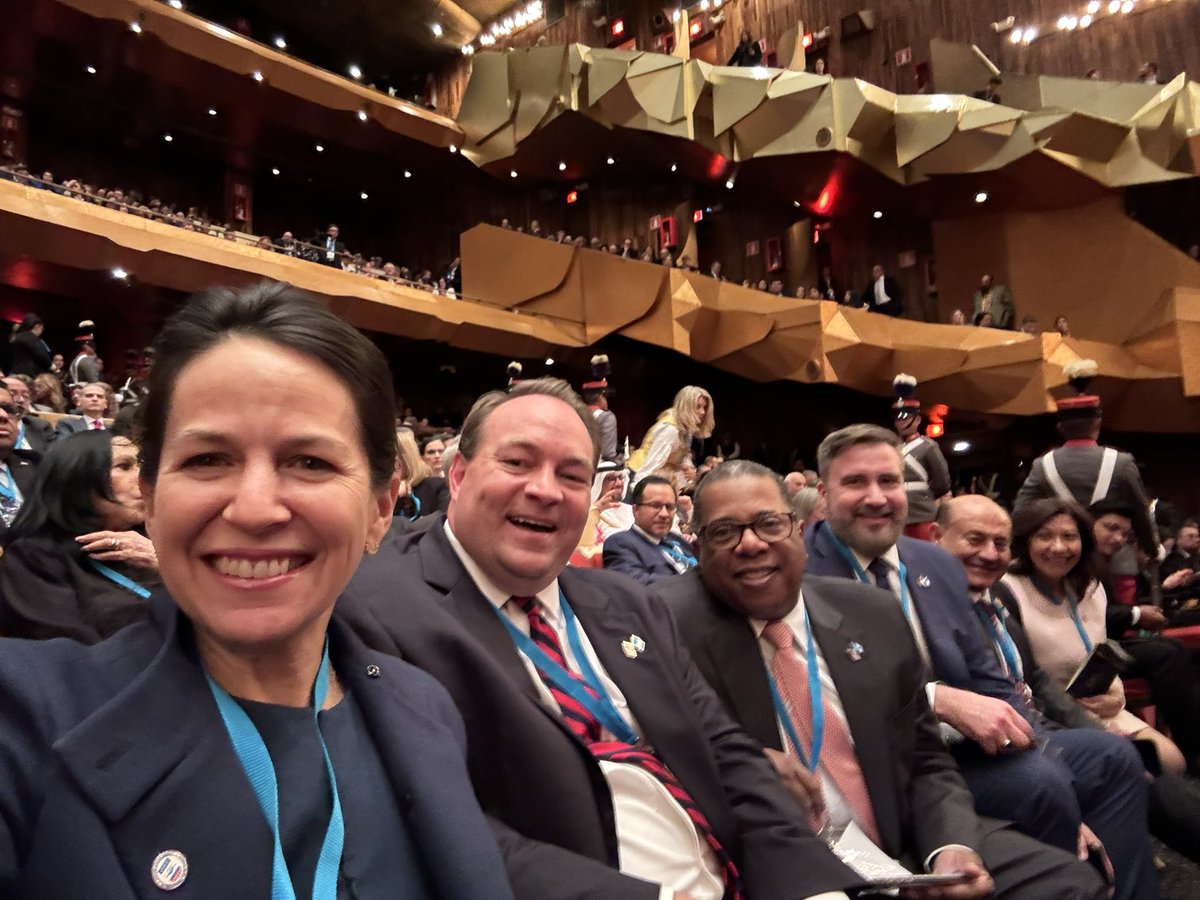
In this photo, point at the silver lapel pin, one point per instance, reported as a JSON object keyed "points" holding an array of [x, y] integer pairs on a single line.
{"points": [[923, 580], [169, 870], [632, 646], [854, 650]]}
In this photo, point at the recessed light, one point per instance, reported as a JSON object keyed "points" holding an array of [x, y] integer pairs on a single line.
{"points": [[981, 197], [878, 214], [674, 167], [453, 148], [175, 4], [362, 115], [275, 171], [212, 111], [610, 160], [549, 360], [91, 70], [168, 138], [355, 72], [280, 43], [729, 184], [407, 173], [512, 174], [363, 195], [257, 75], [961, 446], [135, 27], [119, 273], [436, 29], [562, 167], [320, 148], [796, 203], [468, 49]]}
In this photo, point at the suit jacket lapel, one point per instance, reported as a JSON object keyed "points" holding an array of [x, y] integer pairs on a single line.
{"points": [[856, 685]]}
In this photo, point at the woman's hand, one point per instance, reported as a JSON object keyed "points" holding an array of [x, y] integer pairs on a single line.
{"points": [[119, 546], [1108, 704]]}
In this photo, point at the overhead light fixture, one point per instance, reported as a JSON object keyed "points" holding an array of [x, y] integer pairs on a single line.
{"points": [[729, 184], [1016, 35], [363, 195], [878, 214], [119, 273], [212, 110], [135, 27], [355, 72], [796, 203], [407, 173], [257, 76], [1029, 36], [167, 137], [436, 28], [320, 148], [981, 197], [91, 70], [1093, 7], [674, 167], [1114, 7], [675, 15], [275, 171], [1085, 21], [610, 160], [1127, 6], [562, 167], [175, 4], [468, 49], [549, 360], [512, 173], [453, 148], [961, 446], [280, 43], [362, 115]]}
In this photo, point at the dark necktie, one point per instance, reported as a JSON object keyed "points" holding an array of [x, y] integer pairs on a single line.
{"points": [[881, 570], [585, 726]]}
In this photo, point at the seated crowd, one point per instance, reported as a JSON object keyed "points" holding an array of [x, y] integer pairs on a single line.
{"points": [[510, 662]]}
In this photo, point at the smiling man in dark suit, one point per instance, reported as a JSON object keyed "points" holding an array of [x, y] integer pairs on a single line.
{"points": [[731, 611], [650, 551], [610, 767]]}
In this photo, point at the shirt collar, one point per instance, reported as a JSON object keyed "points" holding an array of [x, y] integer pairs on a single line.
{"points": [[794, 619], [655, 541], [497, 596], [891, 556]]}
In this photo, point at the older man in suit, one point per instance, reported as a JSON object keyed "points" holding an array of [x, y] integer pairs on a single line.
{"points": [[1049, 781], [34, 435], [650, 551], [883, 294], [16, 471], [748, 615], [996, 300], [610, 767]]}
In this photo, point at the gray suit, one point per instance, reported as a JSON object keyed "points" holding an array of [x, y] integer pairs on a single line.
{"points": [[1001, 306]]}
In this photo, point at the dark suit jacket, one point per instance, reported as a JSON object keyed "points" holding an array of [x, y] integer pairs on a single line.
{"points": [[937, 586], [921, 802], [1055, 703], [29, 355], [69, 425], [893, 307], [116, 752], [543, 787], [322, 241], [23, 468], [40, 435], [631, 554]]}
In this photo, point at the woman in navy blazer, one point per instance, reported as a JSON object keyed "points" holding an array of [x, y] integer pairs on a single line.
{"points": [[239, 742]]}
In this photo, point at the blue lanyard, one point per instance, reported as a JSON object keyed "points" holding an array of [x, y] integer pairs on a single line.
{"points": [[862, 576], [21, 438], [417, 507], [117, 578], [1001, 639], [8, 484], [599, 705], [678, 555], [1072, 607], [813, 757], [256, 763]]}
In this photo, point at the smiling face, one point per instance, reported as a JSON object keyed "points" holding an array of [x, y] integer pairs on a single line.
{"points": [[520, 503], [757, 579], [1055, 548], [655, 512], [260, 516], [979, 534], [864, 492], [126, 510], [1112, 532]]}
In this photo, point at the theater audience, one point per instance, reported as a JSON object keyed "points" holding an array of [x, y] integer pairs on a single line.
{"points": [[650, 551], [748, 52], [669, 440], [94, 401], [28, 353], [429, 493], [76, 562], [16, 469], [432, 449], [33, 434], [47, 394]]}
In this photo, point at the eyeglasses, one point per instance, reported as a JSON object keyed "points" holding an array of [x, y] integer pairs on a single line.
{"points": [[659, 506], [770, 528], [13, 411]]}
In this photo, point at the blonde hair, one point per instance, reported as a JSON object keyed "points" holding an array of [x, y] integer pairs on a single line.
{"points": [[416, 468], [47, 391], [684, 410]]}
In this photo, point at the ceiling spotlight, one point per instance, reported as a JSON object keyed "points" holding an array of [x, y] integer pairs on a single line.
{"points": [[355, 71], [168, 138], [436, 28], [212, 111], [981, 197], [280, 43], [549, 360], [320, 148], [610, 160], [257, 76], [961, 446], [1114, 7], [1093, 7], [119, 273], [729, 185], [675, 16], [1085, 21], [674, 167], [562, 167], [878, 214], [703, 5], [275, 170], [796, 203], [175, 4], [512, 174], [362, 115], [363, 195], [91, 70], [468, 49], [1127, 6], [135, 27], [453, 148], [1017, 34], [1029, 36]]}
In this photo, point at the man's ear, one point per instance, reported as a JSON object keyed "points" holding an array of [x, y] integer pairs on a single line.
{"points": [[935, 532]]}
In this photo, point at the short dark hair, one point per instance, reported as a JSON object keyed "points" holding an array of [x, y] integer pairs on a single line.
{"points": [[62, 500], [1029, 518], [287, 317], [639, 489], [472, 430], [29, 321], [838, 442], [734, 468]]}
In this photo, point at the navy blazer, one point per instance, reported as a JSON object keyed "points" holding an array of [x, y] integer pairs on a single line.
{"points": [[937, 585], [542, 786], [112, 753], [631, 553]]}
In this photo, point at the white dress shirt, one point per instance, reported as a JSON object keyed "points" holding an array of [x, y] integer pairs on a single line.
{"points": [[676, 563], [881, 294], [655, 838]]}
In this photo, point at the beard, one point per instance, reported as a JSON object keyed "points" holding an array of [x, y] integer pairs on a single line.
{"points": [[869, 543]]}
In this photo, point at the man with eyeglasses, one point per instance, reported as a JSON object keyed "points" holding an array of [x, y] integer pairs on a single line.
{"points": [[16, 472], [776, 645], [650, 551]]}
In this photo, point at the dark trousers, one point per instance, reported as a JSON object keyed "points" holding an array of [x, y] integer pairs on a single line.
{"points": [[1167, 666], [1025, 869], [1075, 775]]}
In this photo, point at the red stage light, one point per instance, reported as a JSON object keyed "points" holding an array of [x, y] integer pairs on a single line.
{"points": [[572, 197], [935, 430], [698, 216], [617, 28]]}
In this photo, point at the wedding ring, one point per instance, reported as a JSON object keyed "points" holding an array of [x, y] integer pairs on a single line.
{"points": [[1007, 743], [114, 543]]}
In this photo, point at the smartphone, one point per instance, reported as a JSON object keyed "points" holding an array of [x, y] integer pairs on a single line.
{"points": [[879, 885]]}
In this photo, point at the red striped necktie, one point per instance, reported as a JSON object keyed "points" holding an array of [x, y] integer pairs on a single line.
{"points": [[585, 726]]}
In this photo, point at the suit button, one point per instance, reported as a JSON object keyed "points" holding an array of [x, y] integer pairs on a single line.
{"points": [[372, 671]]}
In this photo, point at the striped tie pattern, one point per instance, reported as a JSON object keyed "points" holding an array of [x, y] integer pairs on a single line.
{"points": [[586, 727]]}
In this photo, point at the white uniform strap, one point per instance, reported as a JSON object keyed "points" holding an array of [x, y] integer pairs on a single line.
{"points": [[1059, 486], [1108, 463], [914, 464]]}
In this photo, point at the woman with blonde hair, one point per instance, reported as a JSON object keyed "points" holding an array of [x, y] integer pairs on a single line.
{"points": [[427, 493], [669, 441], [47, 394]]}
